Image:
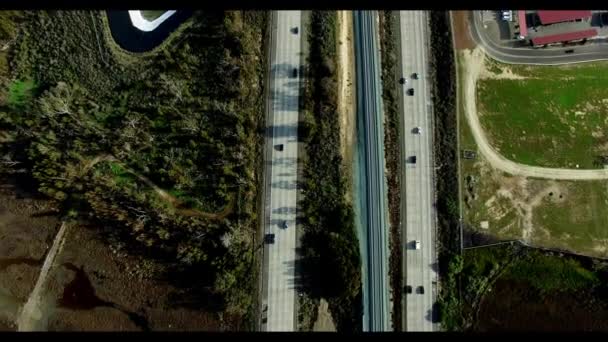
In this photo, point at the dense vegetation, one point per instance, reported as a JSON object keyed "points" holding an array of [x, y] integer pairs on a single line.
{"points": [[331, 249], [515, 287], [446, 175], [159, 150], [392, 147]]}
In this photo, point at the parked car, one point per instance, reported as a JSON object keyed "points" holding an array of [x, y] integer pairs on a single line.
{"points": [[410, 92], [420, 290], [408, 289]]}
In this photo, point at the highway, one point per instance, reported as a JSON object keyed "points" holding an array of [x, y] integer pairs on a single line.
{"points": [[279, 273], [373, 196], [419, 192], [548, 56]]}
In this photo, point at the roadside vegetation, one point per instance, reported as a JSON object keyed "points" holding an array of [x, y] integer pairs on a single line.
{"points": [[390, 97], [163, 151], [330, 246], [516, 288], [552, 116], [446, 175]]}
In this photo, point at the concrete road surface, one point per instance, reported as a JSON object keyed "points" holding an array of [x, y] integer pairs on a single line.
{"points": [[279, 288], [548, 56], [372, 195], [420, 216]]}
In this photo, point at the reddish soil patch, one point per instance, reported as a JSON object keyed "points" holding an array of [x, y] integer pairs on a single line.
{"points": [[27, 229], [91, 287], [514, 306], [94, 288], [462, 37]]}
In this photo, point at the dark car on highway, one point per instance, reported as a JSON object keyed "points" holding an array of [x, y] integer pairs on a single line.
{"points": [[410, 92], [269, 238], [279, 147], [295, 72], [408, 289], [415, 76], [420, 290]]}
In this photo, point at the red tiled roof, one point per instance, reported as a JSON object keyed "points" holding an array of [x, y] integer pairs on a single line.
{"points": [[564, 37], [551, 17], [523, 28]]}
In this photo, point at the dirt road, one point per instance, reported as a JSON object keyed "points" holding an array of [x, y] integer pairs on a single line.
{"points": [[473, 62], [32, 317]]}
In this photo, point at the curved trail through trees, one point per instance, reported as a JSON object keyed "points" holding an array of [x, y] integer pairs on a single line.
{"points": [[176, 203], [473, 63]]}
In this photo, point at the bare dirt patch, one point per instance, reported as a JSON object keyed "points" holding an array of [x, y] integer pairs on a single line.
{"points": [[117, 291], [462, 37], [92, 286], [27, 229]]}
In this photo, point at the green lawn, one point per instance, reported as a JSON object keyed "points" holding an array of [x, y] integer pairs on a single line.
{"points": [[557, 117], [151, 15]]}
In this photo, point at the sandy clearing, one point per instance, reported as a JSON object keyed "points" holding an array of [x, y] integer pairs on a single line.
{"points": [[346, 105], [506, 74], [324, 321], [473, 63]]}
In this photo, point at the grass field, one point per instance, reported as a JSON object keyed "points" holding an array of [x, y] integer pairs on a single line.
{"points": [[578, 223], [568, 215], [549, 116]]}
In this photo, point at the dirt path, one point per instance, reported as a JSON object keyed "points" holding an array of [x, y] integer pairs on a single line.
{"points": [[176, 203], [460, 26], [473, 62], [32, 314], [346, 105]]}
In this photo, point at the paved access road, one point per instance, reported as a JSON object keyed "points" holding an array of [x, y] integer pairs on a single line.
{"points": [[373, 193], [279, 288], [420, 215], [548, 56]]}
